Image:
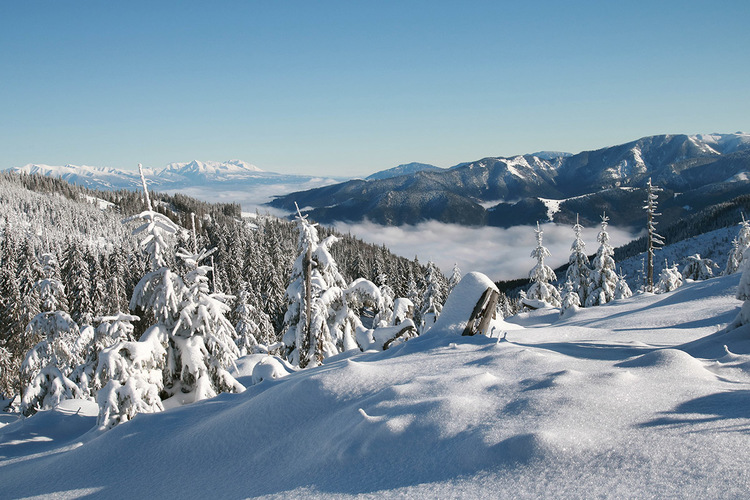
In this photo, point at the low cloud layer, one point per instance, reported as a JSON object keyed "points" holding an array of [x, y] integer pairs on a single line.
{"points": [[499, 253]]}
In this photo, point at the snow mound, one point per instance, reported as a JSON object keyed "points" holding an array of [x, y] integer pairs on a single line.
{"points": [[270, 368], [671, 359]]}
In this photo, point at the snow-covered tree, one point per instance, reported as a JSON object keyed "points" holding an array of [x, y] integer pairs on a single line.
{"points": [[202, 347], [604, 279], [432, 301], [570, 300], [130, 375], [541, 275], [739, 245], [77, 284], [159, 291], [253, 326], [669, 279], [698, 269], [48, 365], [6, 367], [578, 265], [622, 290], [110, 330], [454, 279], [743, 293], [384, 316], [654, 239], [50, 288], [314, 272]]}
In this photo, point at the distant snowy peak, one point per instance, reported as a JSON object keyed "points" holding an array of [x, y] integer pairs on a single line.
{"points": [[85, 175], [212, 168], [405, 169]]}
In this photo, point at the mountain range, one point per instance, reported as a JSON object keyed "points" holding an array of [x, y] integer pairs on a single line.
{"points": [[209, 174], [695, 171]]}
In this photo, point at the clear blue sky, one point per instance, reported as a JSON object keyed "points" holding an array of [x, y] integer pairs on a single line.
{"points": [[351, 87]]}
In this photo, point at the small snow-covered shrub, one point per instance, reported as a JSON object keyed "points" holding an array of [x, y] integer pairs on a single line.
{"points": [[669, 279], [698, 269], [570, 300], [271, 368]]}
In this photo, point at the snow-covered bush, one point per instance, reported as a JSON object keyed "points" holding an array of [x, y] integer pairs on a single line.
{"points": [[622, 289], [541, 275], [111, 329], [130, 375], [271, 368], [570, 300], [698, 269], [669, 279]]}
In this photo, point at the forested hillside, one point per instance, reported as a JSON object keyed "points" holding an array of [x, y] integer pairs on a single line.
{"points": [[51, 231]]}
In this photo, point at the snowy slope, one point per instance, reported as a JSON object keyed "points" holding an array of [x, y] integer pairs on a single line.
{"points": [[603, 404]]}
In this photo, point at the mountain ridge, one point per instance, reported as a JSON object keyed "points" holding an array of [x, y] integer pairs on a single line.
{"points": [[693, 169]]}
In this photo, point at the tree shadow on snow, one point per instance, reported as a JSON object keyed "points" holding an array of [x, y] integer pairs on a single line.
{"points": [[718, 407], [591, 350]]}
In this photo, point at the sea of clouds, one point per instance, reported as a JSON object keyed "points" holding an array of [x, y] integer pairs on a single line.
{"points": [[499, 253]]}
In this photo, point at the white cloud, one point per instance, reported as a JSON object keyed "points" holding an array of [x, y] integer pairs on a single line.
{"points": [[497, 252]]}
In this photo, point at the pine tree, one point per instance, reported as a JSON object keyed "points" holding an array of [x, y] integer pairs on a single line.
{"points": [[541, 275], [578, 272], [603, 277], [654, 239]]}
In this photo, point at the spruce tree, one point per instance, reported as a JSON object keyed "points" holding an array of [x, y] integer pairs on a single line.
{"points": [[541, 275], [578, 265], [604, 279], [306, 336]]}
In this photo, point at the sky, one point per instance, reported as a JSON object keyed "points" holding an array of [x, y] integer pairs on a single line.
{"points": [[350, 88]]}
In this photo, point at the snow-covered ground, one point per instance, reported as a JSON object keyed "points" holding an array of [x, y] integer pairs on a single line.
{"points": [[634, 399]]}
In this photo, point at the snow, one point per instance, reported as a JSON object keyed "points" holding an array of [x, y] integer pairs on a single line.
{"points": [[637, 398]]}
